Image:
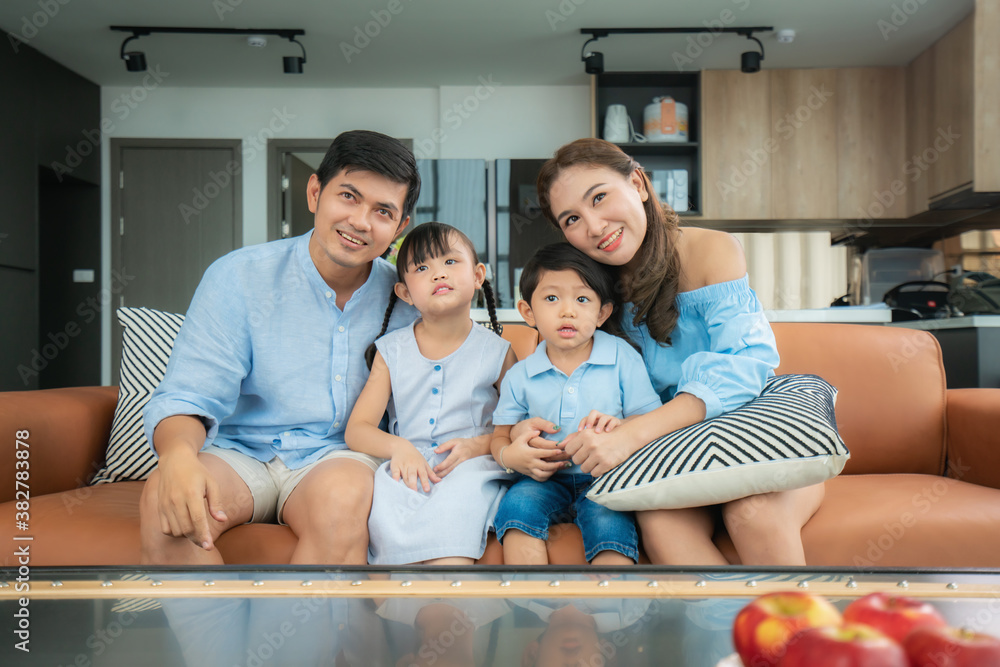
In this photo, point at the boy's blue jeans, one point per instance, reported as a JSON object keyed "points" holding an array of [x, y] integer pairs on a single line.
{"points": [[532, 507]]}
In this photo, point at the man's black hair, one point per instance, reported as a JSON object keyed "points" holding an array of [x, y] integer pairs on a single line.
{"points": [[377, 153]]}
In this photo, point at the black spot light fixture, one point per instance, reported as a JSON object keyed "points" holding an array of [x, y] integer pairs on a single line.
{"points": [[594, 60], [135, 61]]}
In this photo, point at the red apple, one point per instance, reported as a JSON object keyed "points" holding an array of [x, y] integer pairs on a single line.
{"points": [[896, 616], [763, 627], [848, 645], [951, 647]]}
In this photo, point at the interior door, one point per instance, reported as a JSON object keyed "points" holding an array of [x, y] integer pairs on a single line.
{"points": [[178, 209]]}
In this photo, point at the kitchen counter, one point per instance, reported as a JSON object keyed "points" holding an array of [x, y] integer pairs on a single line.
{"points": [[970, 348]]}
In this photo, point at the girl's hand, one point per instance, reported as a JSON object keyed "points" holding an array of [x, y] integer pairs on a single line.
{"points": [[409, 466], [600, 422], [536, 462], [461, 449], [597, 453]]}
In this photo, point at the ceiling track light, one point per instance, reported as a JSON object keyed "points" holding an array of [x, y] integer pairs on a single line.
{"points": [[135, 61], [594, 61]]}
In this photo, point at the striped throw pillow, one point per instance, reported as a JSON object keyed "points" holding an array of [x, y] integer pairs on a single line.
{"points": [[147, 339], [784, 439]]}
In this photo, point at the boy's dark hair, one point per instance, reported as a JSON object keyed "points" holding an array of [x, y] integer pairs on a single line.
{"points": [[426, 241], [375, 152], [598, 277]]}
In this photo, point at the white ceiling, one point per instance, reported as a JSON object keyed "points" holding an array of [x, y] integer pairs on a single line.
{"points": [[454, 42]]}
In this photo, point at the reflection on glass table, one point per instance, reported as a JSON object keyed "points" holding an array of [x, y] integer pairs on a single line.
{"points": [[430, 616]]}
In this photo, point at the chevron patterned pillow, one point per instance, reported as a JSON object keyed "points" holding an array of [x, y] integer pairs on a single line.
{"points": [[147, 339], [786, 438]]}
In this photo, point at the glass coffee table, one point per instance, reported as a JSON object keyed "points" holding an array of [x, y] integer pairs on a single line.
{"points": [[479, 616]]}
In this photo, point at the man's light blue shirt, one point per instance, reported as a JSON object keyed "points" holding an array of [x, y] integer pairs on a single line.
{"points": [[613, 381], [267, 359]]}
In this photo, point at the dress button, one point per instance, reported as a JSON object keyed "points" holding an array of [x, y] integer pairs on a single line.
{"points": [[340, 329], [571, 390], [329, 294], [432, 420], [437, 367], [434, 390]]}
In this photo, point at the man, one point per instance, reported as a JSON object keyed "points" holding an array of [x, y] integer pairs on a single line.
{"points": [[248, 423]]}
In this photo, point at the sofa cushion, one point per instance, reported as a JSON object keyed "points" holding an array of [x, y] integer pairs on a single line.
{"points": [[784, 439], [147, 339]]}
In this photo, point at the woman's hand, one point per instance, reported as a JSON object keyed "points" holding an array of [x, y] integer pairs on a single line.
{"points": [[531, 430], [597, 453], [461, 449], [409, 466], [599, 422], [538, 463]]}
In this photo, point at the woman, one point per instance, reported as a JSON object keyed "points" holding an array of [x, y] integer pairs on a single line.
{"points": [[704, 338]]}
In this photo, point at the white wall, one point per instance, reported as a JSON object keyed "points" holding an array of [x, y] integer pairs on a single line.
{"points": [[486, 120]]}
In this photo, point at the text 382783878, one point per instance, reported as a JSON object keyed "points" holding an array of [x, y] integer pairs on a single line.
{"points": [[22, 543]]}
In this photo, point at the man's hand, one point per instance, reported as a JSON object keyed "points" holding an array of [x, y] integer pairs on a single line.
{"points": [[599, 422], [188, 497], [461, 449], [409, 466]]}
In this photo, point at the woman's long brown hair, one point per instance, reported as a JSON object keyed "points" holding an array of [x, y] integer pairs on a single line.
{"points": [[652, 286]]}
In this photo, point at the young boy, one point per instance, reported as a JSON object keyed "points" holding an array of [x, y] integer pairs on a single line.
{"points": [[578, 377]]}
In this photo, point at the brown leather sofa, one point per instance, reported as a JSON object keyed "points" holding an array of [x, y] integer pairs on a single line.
{"points": [[922, 488]]}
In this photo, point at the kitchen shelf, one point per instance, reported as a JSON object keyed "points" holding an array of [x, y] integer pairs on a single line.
{"points": [[635, 90]]}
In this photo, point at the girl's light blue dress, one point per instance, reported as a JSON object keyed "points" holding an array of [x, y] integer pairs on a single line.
{"points": [[432, 402]]}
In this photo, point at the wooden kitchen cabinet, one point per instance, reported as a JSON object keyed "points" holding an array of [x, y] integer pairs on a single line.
{"points": [[920, 131], [871, 142], [953, 110], [804, 128], [736, 129]]}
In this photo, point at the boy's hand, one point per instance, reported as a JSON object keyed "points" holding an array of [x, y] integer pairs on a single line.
{"points": [[538, 426], [538, 463], [600, 422], [462, 449], [409, 466]]}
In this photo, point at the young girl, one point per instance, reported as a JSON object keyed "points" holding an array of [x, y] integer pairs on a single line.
{"points": [[435, 497], [705, 340], [578, 378]]}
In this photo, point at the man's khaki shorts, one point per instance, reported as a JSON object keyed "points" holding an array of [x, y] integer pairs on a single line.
{"points": [[271, 483]]}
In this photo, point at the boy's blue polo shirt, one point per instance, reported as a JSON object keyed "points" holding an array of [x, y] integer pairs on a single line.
{"points": [[613, 381]]}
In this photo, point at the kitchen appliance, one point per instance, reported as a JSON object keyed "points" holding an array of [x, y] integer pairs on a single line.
{"points": [[617, 124], [878, 271], [665, 120]]}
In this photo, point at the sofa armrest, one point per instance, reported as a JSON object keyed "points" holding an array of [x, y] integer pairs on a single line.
{"points": [[974, 436], [68, 436]]}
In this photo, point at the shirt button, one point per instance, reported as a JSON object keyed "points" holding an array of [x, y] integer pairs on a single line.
{"points": [[434, 390], [329, 294], [337, 378], [286, 434], [336, 424], [437, 367], [571, 390], [340, 329]]}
